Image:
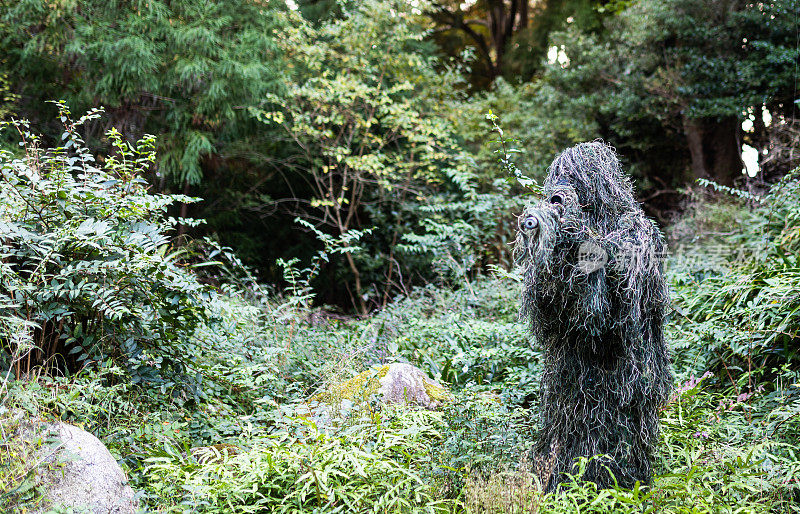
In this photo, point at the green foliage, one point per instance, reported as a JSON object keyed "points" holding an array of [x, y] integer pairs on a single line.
{"points": [[668, 82], [541, 121], [335, 118], [85, 270], [17, 473], [363, 118], [505, 152], [720, 450], [461, 236], [299, 293], [463, 337], [345, 114], [7, 98], [182, 70], [739, 299], [482, 433], [348, 120], [711, 59], [370, 467], [464, 236], [715, 456]]}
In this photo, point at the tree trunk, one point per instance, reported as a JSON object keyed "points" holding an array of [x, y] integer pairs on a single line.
{"points": [[184, 213], [362, 305], [715, 148]]}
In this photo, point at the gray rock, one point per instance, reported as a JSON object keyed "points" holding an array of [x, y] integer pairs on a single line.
{"points": [[407, 384], [389, 384], [79, 473]]}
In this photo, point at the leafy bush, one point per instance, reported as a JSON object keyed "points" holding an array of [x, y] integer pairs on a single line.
{"points": [[738, 297], [85, 269], [469, 235], [481, 435], [538, 114]]}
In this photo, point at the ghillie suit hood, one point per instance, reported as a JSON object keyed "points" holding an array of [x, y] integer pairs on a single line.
{"points": [[595, 295]]}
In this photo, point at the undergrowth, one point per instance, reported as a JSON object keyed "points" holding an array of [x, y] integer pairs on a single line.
{"points": [[236, 433], [721, 450]]}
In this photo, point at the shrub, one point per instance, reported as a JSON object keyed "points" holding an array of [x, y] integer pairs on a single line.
{"points": [[86, 272], [737, 295]]}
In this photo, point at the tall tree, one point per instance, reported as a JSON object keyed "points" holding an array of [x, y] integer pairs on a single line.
{"points": [[489, 25], [183, 70], [508, 37], [360, 110], [670, 81], [704, 64]]}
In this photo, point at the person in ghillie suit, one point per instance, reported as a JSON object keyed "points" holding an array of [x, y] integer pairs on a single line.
{"points": [[595, 296]]}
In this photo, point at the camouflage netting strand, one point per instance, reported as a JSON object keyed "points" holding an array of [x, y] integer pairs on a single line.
{"points": [[595, 297]]}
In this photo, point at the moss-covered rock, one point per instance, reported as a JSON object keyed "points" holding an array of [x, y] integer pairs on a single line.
{"points": [[390, 384]]}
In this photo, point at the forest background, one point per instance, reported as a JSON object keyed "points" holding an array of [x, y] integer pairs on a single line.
{"points": [[213, 212], [372, 115]]}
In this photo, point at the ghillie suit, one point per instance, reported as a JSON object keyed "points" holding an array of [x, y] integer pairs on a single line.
{"points": [[594, 294]]}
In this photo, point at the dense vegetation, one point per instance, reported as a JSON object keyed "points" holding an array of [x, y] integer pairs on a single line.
{"points": [[264, 200], [371, 114]]}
